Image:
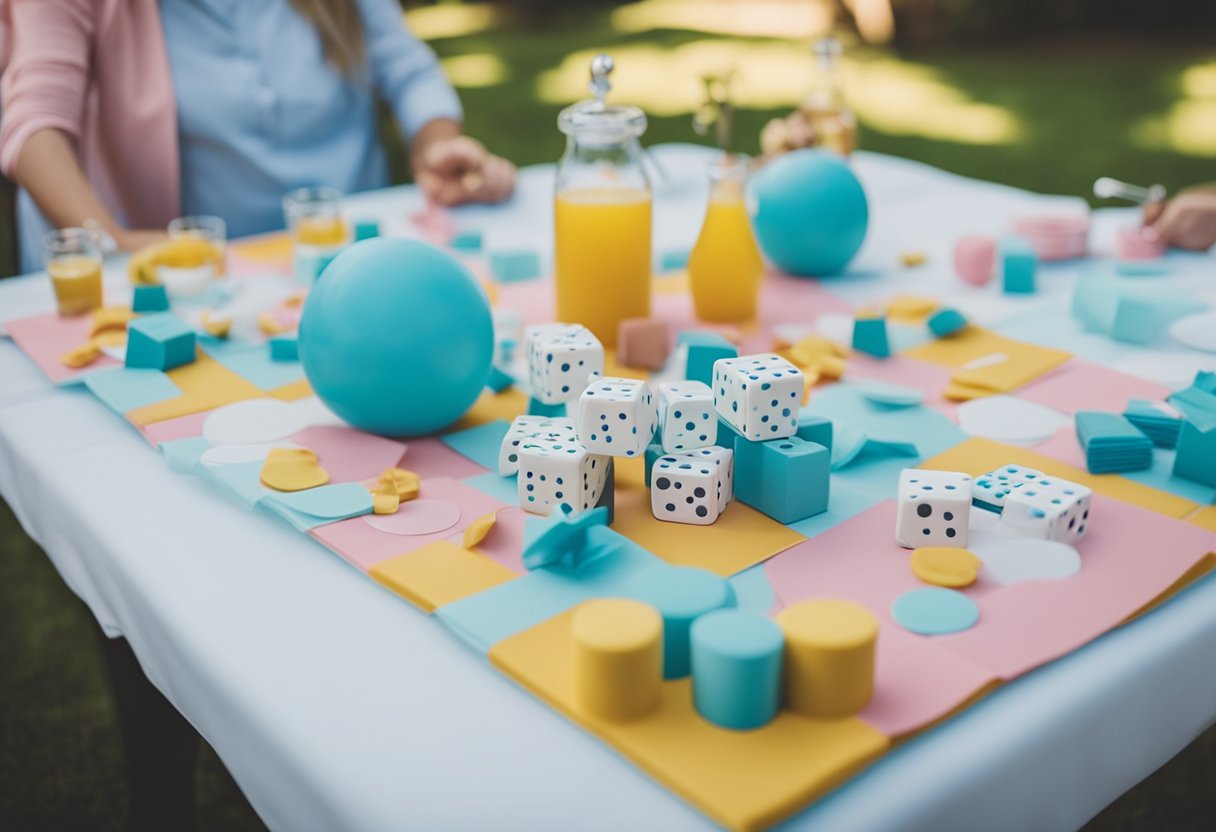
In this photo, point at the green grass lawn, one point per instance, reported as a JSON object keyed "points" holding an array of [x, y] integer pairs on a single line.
{"points": [[1077, 105]]}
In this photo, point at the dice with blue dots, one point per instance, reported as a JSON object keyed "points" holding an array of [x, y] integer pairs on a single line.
{"points": [[687, 419], [692, 487], [759, 395], [991, 490], [617, 417], [562, 358], [1048, 509], [934, 508], [560, 475], [539, 428]]}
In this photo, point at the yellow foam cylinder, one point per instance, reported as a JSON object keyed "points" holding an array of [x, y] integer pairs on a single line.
{"points": [[829, 657], [618, 658]]}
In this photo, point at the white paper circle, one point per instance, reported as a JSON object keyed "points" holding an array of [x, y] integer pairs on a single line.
{"points": [[417, 517], [1196, 331], [1009, 419], [1013, 560], [238, 454], [252, 422]]}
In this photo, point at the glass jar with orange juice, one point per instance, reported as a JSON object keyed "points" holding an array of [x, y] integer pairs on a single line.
{"points": [[725, 268], [318, 229], [602, 214], [73, 261]]}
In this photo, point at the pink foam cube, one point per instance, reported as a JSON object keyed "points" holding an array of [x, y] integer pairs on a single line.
{"points": [[975, 259], [1135, 244]]}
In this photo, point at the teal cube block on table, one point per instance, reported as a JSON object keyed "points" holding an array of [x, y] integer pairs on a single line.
{"points": [[538, 408], [466, 241], [787, 479], [1018, 266], [284, 348], [1195, 455], [817, 429], [514, 266], [366, 230], [653, 451], [704, 348], [870, 336], [150, 299], [159, 342]]}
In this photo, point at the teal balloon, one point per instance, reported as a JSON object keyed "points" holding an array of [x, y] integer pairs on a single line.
{"points": [[396, 337], [809, 212]]}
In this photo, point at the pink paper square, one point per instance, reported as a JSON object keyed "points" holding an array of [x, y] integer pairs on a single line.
{"points": [[1080, 385], [1063, 446], [429, 457], [364, 545], [182, 427], [931, 379], [349, 455], [44, 338], [505, 542], [1129, 557]]}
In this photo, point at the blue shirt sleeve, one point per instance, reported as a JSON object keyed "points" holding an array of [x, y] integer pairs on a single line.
{"points": [[404, 70]]}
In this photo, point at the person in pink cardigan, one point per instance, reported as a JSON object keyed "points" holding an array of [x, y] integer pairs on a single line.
{"points": [[128, 113]]}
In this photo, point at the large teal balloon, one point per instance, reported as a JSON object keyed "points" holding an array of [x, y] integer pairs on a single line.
{"points": [[809, 212], [396, 337]]}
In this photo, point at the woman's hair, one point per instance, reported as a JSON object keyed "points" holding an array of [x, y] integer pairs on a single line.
{"points": [[341, 30]]}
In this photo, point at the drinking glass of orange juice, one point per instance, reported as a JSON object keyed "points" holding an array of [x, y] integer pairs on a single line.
{"points": [[602, 213], [724, 268], [73, 260], [318, 230]]}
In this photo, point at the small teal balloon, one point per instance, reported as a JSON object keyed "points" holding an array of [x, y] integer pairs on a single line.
{"points": [[396, 337], [809, 212]]}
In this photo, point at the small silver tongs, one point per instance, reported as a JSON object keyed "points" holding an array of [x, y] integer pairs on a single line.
{"points": [[1107, 188]]}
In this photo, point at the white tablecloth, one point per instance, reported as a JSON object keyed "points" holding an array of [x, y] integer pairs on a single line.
{"points": [[338, 706]]}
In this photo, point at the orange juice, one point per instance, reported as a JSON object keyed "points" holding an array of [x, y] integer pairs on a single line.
{"points": [[77, 283], [190, 250], [320, 231], [725, 268], [602, 257]]}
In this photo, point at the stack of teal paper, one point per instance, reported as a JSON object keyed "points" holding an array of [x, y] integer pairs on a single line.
{"points": [[1155, 420], [1112, 444]]}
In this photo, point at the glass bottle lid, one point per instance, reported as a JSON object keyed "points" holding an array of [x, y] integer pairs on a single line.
{"points": [[594, 119]]}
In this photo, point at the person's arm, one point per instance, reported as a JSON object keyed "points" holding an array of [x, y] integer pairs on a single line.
{"points": [[42, 98], [47, 167], [1187, 221], [448, 166]]}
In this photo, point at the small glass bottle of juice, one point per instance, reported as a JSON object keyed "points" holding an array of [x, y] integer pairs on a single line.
{"points": [[831, 121], [725, 268], [602, 214]]}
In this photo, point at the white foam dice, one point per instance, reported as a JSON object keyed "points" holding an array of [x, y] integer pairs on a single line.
{"points": [[559, 475], [616, 416], [934, 508], [561, 360], [687, 419], [992, 489], [759, 395], [1049, 509], [539, 428], [691, 487]]}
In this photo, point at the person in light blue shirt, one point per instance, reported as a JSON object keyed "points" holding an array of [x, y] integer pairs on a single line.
{"points": [[272, 95]]}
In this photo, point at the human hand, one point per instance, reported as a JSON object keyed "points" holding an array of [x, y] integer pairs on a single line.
{"points": [[459, 169], [1187, 221], [134, 239]]}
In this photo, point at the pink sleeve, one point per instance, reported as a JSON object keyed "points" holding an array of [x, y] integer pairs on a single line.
{"points": [[46, 80]]}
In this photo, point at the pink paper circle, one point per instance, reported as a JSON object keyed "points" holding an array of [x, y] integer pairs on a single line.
{"points": [[417, 517]]}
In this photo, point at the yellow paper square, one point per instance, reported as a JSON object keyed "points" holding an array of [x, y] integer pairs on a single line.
{"points": [[978, 456], [743, 779], [273, 249], [976, 342], [740, 538], [290, 392], [439, 573], [205, 384], [1204, 517]]}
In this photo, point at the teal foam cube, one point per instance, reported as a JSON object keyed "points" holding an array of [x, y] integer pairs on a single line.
{"points": [[150, 299], [466, 241], [1018, 266], [870, 337], [538, 408], [945, 322], [787, 479], [159, 342], [284, 348], [812, 428], [499, 380], [653, 451], [704, 348], [366, 230], [514, 266], [1195, 457]]}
